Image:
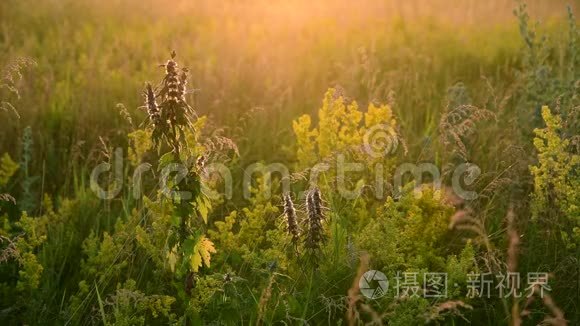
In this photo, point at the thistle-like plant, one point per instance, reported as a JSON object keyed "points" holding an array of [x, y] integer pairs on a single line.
{"points": [[291, 219], [315, 232], [153, 110], [172, 114], [171, 118]]}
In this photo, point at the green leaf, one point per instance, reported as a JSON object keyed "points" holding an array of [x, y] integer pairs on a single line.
{"points": [[188, 246], [203, 207], [7, 169], [202, 253], [164, 160], [101, 307]]}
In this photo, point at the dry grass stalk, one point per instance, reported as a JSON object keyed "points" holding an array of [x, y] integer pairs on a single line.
{"points": [[514, 242], [557, 318], [10, 251], [452, 306], [8, 198], [460, 123], [512, 265], [463, 220], [9, 77], [12, 73], [264, 298], [355, 302], [512, 261]]}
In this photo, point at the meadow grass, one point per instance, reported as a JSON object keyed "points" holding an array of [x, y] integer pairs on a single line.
{"points": [[460, 82]]}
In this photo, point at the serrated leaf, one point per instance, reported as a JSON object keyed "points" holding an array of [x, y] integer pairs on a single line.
{"points": [[205, 250], [201, 254]]}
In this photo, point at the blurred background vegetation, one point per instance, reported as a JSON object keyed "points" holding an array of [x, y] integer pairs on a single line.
{"points": [[257, 64]]}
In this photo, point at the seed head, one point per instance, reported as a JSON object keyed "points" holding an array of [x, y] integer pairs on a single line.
{"points": [[290, 214], [182, 84], [172, 115], [315, 234], [200, 162], [151, 104], [172, 81], [317, 201]]}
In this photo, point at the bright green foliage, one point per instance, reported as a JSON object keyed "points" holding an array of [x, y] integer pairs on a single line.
{"points": [[101, 253], [129, 306], [251, 235], [556, 181], [410, 312], [338, 125], [392, 238], [140, 143], [411, 235], [95, 255], [340, 135], [34, 240], [31, 270], [29, 273], [457, 269], [176, 257], [340, 128], [7, 169], [206, 289]]}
